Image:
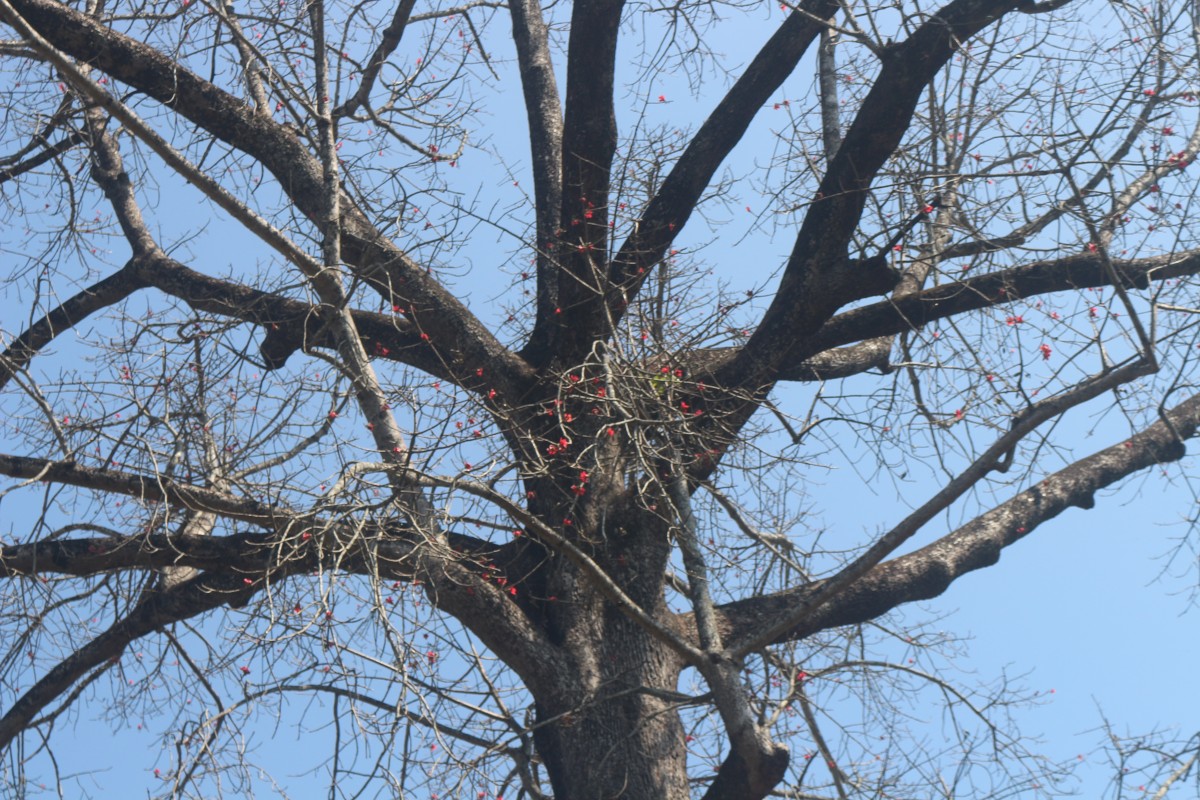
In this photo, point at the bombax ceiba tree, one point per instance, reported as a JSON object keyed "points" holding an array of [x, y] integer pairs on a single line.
{"points": [[510, 457]]}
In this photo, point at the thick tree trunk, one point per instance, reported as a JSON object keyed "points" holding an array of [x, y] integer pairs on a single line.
{"points": [[608, 732]]}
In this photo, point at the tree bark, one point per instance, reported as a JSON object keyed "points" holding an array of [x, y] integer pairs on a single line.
{"points": [[613, 731]]}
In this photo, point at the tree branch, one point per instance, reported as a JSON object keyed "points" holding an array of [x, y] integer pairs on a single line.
{"points": [[755, 763], [589, 141], [819, 277], [150, 487], [33, 162], [388, 43], [929, 571], [155, 610], [290, 324], [544, 112], [914, 311], [102, 294], [671, 207], [827, 91], [241, 554], [816, 357], [451, 331], [1023, 424]]}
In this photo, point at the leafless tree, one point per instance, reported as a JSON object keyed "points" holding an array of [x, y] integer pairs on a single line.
{"points": [[511, 460]]}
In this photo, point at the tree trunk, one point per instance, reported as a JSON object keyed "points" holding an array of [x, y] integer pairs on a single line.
{"points": [[602, 734]]}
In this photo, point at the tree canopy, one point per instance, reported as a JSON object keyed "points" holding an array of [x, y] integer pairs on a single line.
{"points": [[459, 383]]}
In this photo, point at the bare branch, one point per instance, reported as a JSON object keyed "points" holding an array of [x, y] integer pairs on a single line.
{"points": [[389, 40], [931, 570], [150, 487], [544, 113], [914, 311], [589, 141], [819, 277], [192, 598]]}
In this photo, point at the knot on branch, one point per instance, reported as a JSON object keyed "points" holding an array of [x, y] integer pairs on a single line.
{"points": [[874, 275], [1173, 450], [281, 341]]}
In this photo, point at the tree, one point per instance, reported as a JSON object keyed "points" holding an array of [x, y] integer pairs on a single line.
{"points": [[493, 545]]}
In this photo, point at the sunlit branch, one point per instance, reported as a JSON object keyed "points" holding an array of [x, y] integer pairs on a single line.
{"points": [[251, 59], [929, 571], [831, 126], [996, 457], [755, 760]]}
